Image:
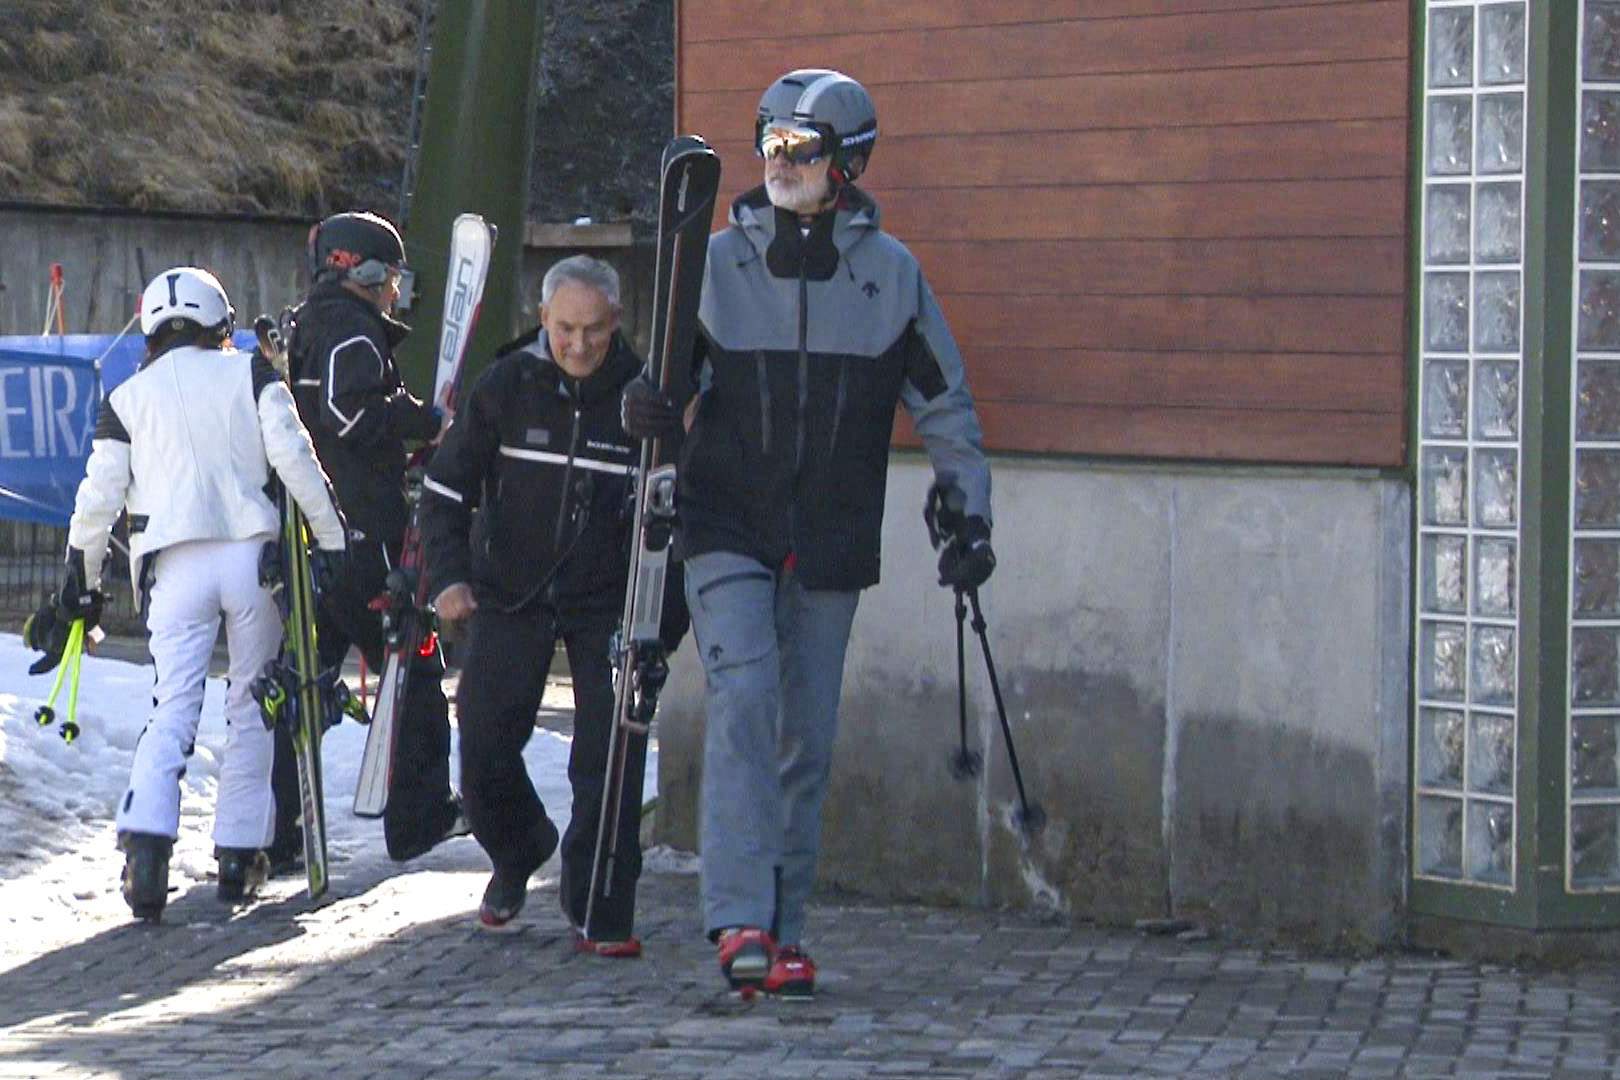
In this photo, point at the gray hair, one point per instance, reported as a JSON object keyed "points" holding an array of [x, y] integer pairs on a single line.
{"points": [[584, 270]]}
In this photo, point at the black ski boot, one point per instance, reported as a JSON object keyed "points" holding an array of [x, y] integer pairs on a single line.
{"points": [[509, 886], [241, 873], [146, 873]]}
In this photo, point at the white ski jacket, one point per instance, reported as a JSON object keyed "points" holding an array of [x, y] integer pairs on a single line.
{"points": [[187, 443]]}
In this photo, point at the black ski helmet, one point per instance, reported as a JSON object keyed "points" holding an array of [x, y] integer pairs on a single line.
{"points": [[356, 246], [828, 102]]}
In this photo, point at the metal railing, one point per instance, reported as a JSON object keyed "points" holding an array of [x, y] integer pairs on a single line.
{"points": [[31, 571]]}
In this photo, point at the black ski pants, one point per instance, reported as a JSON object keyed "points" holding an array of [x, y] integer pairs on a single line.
{"points": [[502, 680], [421, 806]]}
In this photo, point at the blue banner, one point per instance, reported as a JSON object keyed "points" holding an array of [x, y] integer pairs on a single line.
{"points": [[50, 392]]}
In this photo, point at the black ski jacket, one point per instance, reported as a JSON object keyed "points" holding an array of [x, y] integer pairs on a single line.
{"points": [[807, 343], [355, 404], [527, 498]]}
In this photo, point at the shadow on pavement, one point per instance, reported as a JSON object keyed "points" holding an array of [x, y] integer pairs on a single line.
{"points": [[286, 985], [137, 962]]}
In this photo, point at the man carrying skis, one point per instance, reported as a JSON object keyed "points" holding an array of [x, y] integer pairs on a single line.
{"points": [[538, 452], [187, 443], [355, 404], [814, 324]]}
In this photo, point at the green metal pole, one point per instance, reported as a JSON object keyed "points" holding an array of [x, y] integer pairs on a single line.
{"points": [[477, 139]]}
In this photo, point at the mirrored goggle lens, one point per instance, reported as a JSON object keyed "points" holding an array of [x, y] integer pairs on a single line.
{"points": [[799, 145]]}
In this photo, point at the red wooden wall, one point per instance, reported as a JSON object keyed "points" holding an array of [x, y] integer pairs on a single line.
{"points": [[1159, 228]]}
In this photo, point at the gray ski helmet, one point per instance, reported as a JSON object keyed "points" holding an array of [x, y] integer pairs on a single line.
{"points": [[356, 246], [828, 102]]}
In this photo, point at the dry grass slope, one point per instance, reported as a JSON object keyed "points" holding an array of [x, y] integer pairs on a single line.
{"points": [[251, 106]]}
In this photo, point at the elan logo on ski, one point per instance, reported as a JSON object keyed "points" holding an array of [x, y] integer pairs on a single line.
{"points": [[410, 618]]}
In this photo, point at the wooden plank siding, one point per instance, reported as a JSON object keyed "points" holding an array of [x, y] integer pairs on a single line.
{"points": [[1158, 228]]}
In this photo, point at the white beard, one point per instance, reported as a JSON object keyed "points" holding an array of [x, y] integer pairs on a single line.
{"points": [[796, 197]]}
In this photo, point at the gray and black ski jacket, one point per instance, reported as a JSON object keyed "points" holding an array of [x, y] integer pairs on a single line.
{"points": [[807, 340], [527, 499]]}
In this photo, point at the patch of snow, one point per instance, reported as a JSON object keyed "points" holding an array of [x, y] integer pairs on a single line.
{"points": [[58, 800]]}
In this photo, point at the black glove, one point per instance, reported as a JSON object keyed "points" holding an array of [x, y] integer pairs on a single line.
{"points": [[968, 560], [327, 569], [47, 628], [45, 633], [77, 600], [647, 412]]}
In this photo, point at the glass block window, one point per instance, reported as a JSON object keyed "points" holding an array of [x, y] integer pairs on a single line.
{"points": [[1469, 453], [1592, 760]]}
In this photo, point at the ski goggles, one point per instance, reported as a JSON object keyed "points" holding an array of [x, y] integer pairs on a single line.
{"points": [[799, 144]]}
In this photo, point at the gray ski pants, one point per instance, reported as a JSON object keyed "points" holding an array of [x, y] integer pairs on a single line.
{"points": [[773, 657]]}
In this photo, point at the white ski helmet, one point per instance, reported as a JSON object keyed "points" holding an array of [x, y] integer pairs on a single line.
{"points": [[186, 294]]}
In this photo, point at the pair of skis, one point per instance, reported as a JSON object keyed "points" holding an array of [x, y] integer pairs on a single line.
{"points": [[688, 186], [293, 692], [407, 618]]}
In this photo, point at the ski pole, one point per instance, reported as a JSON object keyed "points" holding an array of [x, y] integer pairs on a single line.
{"points": [[70, 726], [67, 670], [1030, 815], [965, 763]]}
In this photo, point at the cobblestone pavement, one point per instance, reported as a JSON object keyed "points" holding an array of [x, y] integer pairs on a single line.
{"points": [[389, 978]]}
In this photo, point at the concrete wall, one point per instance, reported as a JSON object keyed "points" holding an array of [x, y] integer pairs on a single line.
{"points": [[1206, 675]]}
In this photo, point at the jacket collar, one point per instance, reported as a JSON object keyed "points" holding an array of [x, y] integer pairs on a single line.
{"points": [[776, 234], [151, 358], [332, 292]]}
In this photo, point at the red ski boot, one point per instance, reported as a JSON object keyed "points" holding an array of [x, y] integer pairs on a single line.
{"points": [[745, 958], [793, 975]]}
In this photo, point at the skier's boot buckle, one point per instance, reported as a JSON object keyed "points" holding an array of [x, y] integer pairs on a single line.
{"points": [[793, 975], [242, 871], [745, 958]]}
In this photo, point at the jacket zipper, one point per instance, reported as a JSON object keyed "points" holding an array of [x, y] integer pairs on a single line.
{"points": [[567, 484], [764, 401], [838, 404], [804, 394], [804, 367]]}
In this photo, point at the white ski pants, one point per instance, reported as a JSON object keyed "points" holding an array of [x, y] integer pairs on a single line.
{"points": [[194, 585]]}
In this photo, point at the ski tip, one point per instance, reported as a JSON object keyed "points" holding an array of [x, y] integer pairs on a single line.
{"points": [[268, 334], [477, 221], [685, 144]]}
